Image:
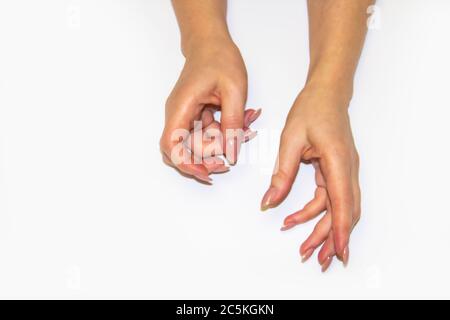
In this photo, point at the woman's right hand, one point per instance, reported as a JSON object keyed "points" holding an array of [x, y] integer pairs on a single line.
{"points": [[214, 74]]}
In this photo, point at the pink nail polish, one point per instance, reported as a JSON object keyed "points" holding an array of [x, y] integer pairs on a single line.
{"points": [[255, 116], [232, 150], [267, 200], [345, 256], [287, 226], [308, 253], [221, 169], [203, 178], [327, 264]]}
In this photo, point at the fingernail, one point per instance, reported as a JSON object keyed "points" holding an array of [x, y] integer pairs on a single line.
{"points": [[249, 135], [307, 255], [326, 264], [203, 178], [267, 199], [232, 150], [287, 226], [221, 169], [255, 115], [345, 256]]}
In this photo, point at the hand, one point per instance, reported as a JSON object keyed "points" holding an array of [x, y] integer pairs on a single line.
{"points": [[214, 74], [213, 163], [318, 131]]}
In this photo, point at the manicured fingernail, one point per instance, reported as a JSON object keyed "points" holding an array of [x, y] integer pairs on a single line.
{"points": [[203, 178], [232, 150], [249, 135], [267, 200], [221, 169], [327, 264], [308, 253], [345, 256], [255, 115], [287, 226]]}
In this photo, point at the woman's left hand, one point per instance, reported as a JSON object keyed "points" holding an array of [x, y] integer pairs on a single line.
{"points": [[318, 131]]}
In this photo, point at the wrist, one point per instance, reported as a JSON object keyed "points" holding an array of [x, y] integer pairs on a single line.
{"points": [[205, 40], [327, 93], [334, 78], [338, 89]]}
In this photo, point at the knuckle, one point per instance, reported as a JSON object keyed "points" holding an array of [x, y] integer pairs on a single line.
{"points": [[237, 88], [233, 120], [164, 143], [289, 136], [339, 150], [170, 101], [280, 175]]}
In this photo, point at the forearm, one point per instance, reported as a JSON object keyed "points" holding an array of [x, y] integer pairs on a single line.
{"points": [[201, 22], [337, 30]]}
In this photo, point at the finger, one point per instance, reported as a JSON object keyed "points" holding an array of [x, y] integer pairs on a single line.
{"points": [[207, 117], [327, 263], [179, 116], [198, 146], [204, 146], [327, 249], [337, 174], [206, 143], [215, 165], [286, 168], [311, 210], [232, 122], [318, 176], [188, 172], [318, 236], [250, 116]]}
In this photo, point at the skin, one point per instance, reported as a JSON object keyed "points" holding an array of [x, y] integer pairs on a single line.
{"points": [[317, 129], [214, 74]]}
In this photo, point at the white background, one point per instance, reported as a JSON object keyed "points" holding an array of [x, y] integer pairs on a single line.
{"points": [[88, 210]]}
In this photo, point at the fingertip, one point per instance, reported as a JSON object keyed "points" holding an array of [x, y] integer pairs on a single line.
{"points": [[307, 254], [304, 247], [203, 178], [326, 264], [341, 239], [232, 149], [268, 200], [221, 169], [322, 257], [289, 220], [345, 256], [255, 115]]}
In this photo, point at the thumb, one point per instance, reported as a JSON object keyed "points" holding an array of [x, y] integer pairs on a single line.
{"points": [[286, 168], [232, 123]]}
